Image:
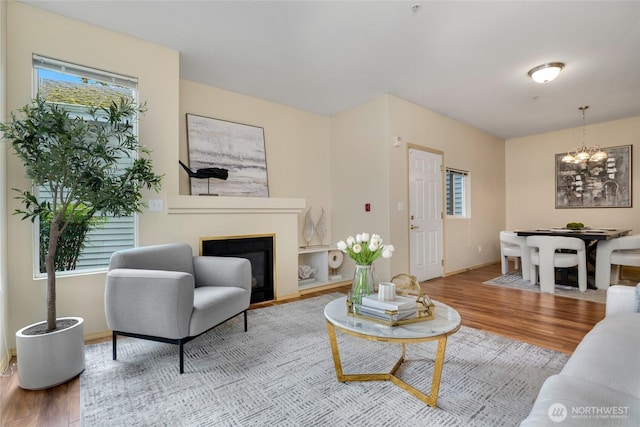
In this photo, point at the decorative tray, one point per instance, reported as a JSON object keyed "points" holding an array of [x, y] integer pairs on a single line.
{"points": [[406, 286]]}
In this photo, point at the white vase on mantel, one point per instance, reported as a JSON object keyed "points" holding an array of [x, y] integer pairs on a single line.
{"points": [[321, 227], [308, 230]]}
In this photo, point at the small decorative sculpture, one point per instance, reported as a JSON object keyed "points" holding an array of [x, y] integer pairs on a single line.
{"points": [[308, 230], [305, 271], [206, 173], [321, 227]]}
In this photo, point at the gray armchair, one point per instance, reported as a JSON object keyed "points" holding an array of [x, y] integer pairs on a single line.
{"points": [[164, 293]]}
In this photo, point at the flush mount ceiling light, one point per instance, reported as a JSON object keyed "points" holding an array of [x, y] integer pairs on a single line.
{"points": [[582, 154], [546, 72]]}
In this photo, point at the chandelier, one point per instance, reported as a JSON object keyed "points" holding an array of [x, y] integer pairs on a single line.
{"points": [[583, 154]]}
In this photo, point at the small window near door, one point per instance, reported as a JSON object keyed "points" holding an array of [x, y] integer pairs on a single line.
{"points": [[457, 190]]}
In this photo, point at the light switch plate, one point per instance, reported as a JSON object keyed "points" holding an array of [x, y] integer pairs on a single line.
{"points": [[155, 205]]}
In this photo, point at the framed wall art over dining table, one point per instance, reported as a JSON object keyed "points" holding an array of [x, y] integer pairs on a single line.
{"points": [[602, 184]]}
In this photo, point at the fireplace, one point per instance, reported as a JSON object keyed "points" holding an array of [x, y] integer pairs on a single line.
{"points": [[257, 249]]}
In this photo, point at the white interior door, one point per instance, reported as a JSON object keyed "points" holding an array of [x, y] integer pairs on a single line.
{"points": [[425, 210]]}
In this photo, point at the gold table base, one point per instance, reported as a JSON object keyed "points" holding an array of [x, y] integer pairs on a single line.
{"points": [[430, 399]]}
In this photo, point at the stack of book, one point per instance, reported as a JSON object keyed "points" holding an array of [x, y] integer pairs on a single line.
{"points": [[401, 308]]}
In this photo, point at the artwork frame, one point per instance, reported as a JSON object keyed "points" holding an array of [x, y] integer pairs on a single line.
{"points": [[603, 184], [237, 147]]}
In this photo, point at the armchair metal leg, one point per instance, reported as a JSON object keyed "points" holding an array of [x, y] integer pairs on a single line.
{"points": [[179, 341], [181, 344], [113, 346], [245, 320]]}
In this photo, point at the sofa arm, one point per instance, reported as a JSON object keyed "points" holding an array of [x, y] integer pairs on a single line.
{"points": [[149, 302], [222, 271], [621, 299]]}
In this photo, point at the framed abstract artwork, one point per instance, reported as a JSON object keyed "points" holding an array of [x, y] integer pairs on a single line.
{"points": [[601, 184], [226, 158]]}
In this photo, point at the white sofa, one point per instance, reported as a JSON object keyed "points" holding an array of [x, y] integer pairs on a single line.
{"points": [[600, 383]]}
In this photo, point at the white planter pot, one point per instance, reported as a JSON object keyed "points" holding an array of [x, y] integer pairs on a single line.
{"points": [[50, 359]]}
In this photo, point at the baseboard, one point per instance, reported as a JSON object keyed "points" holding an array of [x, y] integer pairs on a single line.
{"points": [[4, 362], [475, 267], [96, 336]]}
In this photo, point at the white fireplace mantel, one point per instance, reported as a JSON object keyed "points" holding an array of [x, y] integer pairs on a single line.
{"points": [[194, 217], [233, 205]]}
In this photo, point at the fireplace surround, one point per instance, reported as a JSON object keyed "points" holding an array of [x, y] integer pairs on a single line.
{"points": [[258, 249]]}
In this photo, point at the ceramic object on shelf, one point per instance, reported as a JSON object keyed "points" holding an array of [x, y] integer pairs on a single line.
{"points": [[321, 227], [308, 229]]}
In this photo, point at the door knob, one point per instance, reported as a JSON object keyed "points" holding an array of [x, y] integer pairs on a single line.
{"points": [[413, 227]]}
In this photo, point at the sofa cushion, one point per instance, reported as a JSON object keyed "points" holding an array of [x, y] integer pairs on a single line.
{"points": [[609, 354], [569, 401]]}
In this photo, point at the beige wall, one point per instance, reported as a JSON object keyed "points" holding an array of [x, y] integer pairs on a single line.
{"points": [[530, 177], [4, 307], [32, 30], [465, 148], [366, 167], [297, 162], [360, 174], [339, 163], [295, 143]]}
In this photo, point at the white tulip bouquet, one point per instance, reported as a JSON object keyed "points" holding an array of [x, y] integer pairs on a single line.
{"points": [[365, 248]]}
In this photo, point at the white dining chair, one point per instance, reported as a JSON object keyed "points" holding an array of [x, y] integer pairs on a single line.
{"points": [[514, 246], [545, 258], [611, 254]]}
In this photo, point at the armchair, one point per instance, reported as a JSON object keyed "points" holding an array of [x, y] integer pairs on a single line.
{"points": [[512, 245], [544, 255], [164, 293], [611, 254]]}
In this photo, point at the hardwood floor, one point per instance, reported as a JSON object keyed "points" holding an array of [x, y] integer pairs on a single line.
{"points": [[557, 323]]}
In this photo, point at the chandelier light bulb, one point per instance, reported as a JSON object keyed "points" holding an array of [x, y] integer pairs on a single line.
{"points": [[583, 154]]}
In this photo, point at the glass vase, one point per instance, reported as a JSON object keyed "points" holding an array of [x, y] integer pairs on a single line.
{"points": [[363, 283]]}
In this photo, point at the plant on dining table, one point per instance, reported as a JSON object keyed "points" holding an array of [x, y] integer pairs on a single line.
{"points": [[364, 249]]}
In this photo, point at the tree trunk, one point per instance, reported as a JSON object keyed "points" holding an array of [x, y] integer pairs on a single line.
{"points": [[54, 233]]}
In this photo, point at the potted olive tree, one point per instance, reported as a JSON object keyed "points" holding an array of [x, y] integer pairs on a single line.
{"points": [[75, 160]]}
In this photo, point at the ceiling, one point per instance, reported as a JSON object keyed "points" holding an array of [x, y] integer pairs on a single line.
{"points": [[465, 60]]}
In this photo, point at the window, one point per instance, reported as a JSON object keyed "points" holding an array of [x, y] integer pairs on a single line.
{"points": [[457, 190], [76, 87]]}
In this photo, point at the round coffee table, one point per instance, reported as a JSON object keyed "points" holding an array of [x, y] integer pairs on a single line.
{"points": [[445, 322]]}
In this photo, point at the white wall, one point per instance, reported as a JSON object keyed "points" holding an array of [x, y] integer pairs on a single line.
{"points": [[530, 177]]}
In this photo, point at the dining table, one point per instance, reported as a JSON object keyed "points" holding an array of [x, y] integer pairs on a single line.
{"points": [[591, 236]]}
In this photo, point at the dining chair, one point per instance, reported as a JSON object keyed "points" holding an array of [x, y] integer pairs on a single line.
{"points": [[545, 258], [512, 245], [611, 254]]}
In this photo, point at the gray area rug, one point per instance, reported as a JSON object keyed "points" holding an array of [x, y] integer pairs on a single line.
{"points": [[515, 281], [281, 373]]}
